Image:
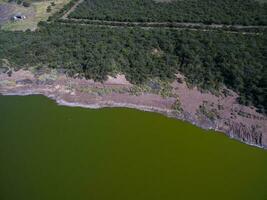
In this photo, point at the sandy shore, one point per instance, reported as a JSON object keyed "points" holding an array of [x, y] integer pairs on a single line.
{"points": [[221, 113]]}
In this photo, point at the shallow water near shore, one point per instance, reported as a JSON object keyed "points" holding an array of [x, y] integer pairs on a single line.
{"points": [[51, 152]]}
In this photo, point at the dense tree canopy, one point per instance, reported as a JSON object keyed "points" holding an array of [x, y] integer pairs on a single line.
{"points": [[246, 12], [207, 59]]}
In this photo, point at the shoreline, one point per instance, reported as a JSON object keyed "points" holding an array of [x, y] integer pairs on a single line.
{"points": [[111, 104], [221, 113]]}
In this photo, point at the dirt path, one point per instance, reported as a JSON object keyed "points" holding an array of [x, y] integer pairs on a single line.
{"points": [[68, 22], [65, 16], [166, 24]]}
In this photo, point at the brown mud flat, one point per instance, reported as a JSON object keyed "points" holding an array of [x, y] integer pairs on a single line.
{"points": [[218, 112]]}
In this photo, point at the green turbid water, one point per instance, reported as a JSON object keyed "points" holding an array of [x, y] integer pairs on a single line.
{"points": [[51, 152]]}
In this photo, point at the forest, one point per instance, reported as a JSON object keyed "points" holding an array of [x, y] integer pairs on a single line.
{"points": [[208, 60], [242, 12]]}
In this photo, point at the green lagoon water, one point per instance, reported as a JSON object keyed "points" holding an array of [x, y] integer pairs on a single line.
{"points": [[51, 152]]}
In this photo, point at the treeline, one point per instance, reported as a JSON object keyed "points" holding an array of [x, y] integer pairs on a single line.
{"points": [[26, 3], [244, 12], [208, 59]]}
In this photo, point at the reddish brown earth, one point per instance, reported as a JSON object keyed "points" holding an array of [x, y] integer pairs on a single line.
{"points": [[206, 110]]}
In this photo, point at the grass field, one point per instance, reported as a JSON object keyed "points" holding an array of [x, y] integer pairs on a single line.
{"points": [[35, 13]]}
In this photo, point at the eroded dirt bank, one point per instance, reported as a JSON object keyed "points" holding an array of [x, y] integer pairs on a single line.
{"points": [[219, 112]]}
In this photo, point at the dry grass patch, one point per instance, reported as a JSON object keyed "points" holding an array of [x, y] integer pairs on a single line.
{"points": [[34, 14], [8, 10]]}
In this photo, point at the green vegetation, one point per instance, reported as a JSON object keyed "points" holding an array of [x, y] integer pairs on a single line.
{"points": [[154, 86], [209, 60], [25, 3], [62, 11], [246, 12], [177, 107], [208, 111], [48, 9]]}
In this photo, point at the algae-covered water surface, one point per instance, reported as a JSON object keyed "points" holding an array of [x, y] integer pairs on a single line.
{"points": [[51, 152]]}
